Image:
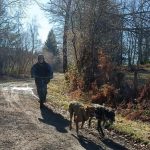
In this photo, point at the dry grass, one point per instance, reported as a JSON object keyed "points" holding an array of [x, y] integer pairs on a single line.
{"points": [[57, 90], [143, 76], [139, 131]]}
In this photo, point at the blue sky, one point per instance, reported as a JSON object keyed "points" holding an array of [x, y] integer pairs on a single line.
{"points": [[34, 11]]}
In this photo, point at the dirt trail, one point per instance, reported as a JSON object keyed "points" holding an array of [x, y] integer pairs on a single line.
{"points": [[23, 126]]}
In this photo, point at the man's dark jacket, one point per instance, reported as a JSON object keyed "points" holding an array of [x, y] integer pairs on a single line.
{"points": [[42, 71]]}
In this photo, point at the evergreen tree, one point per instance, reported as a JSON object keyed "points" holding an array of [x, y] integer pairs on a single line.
{"points": [[51, 44]]}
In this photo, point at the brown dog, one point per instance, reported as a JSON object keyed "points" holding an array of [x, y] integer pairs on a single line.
{"points": [[80, 113]]}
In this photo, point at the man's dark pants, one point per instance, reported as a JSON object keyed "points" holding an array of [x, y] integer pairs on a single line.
{"points": [[41, 89]]}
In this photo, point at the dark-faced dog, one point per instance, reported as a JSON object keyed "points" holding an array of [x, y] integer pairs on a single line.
{"points": [[103, 115], [80, 114]]}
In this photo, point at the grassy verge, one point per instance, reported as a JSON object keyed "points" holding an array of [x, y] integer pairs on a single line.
{"points": [[143, 76], [137, 130], [57, 92], [58, 96]]}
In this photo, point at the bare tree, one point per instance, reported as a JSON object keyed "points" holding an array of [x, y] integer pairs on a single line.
{"points": [[15, 43], [59, 11], [136, 27]]}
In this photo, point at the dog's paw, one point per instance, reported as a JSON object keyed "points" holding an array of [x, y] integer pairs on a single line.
{"points": [[70, 127], [78, 134]]}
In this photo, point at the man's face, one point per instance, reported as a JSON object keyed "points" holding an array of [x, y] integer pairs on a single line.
{"points": [[41, 59]]}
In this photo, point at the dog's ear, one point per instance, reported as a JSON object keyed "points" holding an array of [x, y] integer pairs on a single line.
{"points": [[114, 110], [87, 107]]}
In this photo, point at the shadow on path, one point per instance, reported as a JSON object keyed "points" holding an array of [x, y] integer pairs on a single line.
{"points": [[87, 144], [51, 118], [111, 144]]}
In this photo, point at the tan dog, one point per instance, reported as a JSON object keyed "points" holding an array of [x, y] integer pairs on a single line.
{"points": [[80, 113]]}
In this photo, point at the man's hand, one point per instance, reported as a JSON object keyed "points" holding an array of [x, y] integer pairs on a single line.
{"points": [[47, 80], [32, 76]]}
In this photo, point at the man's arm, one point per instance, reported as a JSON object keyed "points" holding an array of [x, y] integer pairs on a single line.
{"points": [[33, 71], [50, 71]]}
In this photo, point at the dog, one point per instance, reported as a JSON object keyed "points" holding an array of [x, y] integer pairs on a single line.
{"points": [[80, 113], [103, 115]]}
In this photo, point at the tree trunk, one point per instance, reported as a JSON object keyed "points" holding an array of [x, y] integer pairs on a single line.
{"points": [[135, 82], [66, 27], [140, 49]]}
